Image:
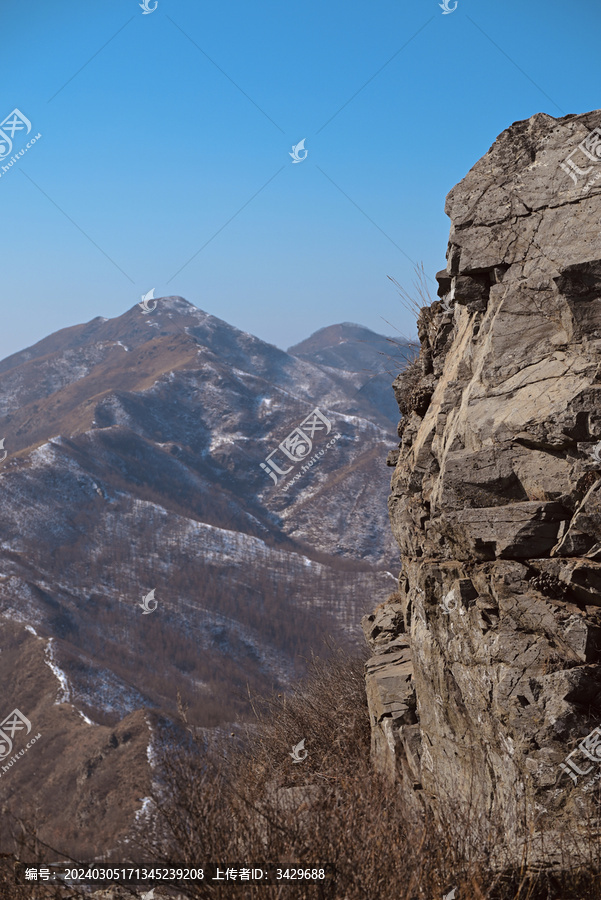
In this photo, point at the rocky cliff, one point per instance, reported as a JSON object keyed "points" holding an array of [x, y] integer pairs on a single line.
{"points": [[486, 678]]}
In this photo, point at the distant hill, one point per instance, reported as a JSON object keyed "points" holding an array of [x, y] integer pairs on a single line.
{"points": [[354, 348], [140, 459]]}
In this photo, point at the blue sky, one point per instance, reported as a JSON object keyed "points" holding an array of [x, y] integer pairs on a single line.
{"points": [[170, 132]]}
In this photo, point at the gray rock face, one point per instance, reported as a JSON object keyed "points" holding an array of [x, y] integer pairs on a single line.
{"points": [[486, 672]]}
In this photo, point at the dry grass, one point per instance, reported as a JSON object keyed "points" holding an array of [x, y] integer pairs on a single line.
{"points": [[242, 801], [245, 800], [418, 299], [29, 850]]}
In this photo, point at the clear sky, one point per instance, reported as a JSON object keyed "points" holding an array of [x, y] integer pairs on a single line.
{"points": [[164, 156]]}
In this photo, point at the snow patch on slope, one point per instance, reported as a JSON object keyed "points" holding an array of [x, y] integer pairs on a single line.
{"points": [[64, 693]]}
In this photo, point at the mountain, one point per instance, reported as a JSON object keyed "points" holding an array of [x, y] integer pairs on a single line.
{"points": [[353, 348], [185, 509]]}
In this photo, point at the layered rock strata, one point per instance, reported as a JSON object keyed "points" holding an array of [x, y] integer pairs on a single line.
{"points": [[486, 670]]}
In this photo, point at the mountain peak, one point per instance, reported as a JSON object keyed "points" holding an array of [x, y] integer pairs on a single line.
{"points": [[174, 302]]}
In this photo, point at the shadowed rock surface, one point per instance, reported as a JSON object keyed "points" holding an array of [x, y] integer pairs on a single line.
{"points": [[486, 673]]}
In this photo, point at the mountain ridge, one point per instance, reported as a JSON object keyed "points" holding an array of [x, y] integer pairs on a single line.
{"points": [[135, 452]]}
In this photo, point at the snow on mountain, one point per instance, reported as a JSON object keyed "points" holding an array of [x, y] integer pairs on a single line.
{"points": [[136, 463]]}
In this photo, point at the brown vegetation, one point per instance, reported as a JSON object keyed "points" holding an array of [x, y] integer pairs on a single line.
{"points": [[247, 801], [165, 659], [242, 801]]}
